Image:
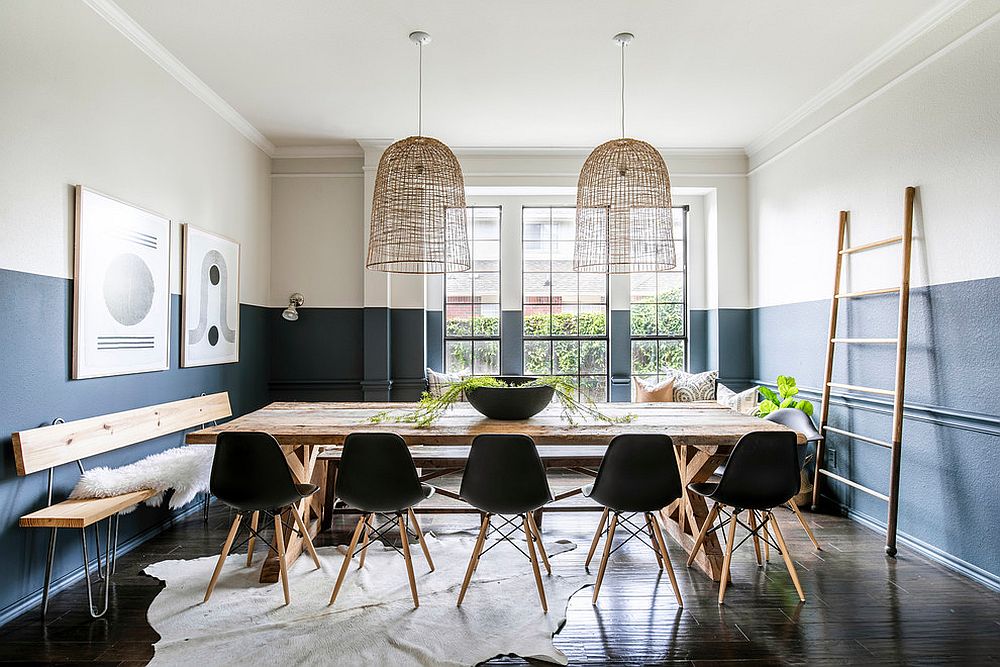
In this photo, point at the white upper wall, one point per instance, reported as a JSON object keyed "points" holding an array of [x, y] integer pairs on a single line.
{"points": [[81, 104], [935, 125]]}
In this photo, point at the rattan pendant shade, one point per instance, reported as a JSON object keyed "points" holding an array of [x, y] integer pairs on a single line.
{"points": [[624, 222], [418, 207], [418, 210]]}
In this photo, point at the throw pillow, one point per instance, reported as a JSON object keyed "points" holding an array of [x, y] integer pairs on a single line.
{"points": [[438, 382], [689, 387], [658, 393], [744, 402]]}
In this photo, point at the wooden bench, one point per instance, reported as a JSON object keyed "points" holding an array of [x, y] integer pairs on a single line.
{"points": [[47, 447]]}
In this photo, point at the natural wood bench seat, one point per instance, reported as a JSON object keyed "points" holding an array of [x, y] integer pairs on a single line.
{"points": [[47, 447], [82, 512]]}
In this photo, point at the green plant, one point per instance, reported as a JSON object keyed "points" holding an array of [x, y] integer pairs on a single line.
{"points": [[785, 398], [430, 408]]}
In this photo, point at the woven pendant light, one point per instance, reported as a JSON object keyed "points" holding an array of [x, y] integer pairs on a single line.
{"points": [[623, 210], [418, 208]]}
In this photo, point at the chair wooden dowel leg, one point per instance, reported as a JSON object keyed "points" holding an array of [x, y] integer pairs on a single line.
{"points": [[666, 560], [279, 540], [705, 527], [767, 538], [347, 558], [802, 520], [474, 558], [253, 526], [409, 561], [597, 537], [222, 556], [369, 520], [534, 563], [654, 542], [729, 556], [420, 538], [538, 540], [306, 538], [604, 558], [752, 517], [788, 558]]}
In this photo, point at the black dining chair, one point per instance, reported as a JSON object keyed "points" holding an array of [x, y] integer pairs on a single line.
{"points": [[638, 475], [377, 476], [250, 474], [762, 473], [504, 477], [798, 421]]}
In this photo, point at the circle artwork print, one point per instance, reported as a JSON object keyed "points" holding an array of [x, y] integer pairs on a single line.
{"points": [[128, 289], [213, 336], [213, 274]]}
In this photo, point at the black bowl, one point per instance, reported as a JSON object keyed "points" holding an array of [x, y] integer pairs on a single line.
{"points": [[513, 402]]}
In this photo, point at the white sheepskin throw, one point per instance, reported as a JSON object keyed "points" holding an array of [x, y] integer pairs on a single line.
{"points": [[186, 470]]}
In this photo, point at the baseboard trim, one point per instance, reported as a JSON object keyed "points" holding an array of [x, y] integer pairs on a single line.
{"points": [[925, 549], [15, 609]]}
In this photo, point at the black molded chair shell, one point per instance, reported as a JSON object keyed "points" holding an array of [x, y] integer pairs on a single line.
{"points": [[377, 474], [638, 474], [249, 473], [504, 475], [761, 473], [796, 420]]}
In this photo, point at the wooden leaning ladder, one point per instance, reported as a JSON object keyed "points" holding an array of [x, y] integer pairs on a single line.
{"points": [[897, 393]]}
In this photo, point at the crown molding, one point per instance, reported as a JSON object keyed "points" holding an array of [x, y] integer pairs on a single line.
{"points": [[126, 25], [327, 151], [910, 34]]}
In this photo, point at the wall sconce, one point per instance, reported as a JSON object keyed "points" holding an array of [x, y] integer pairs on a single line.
{"points": [[295, 302]]}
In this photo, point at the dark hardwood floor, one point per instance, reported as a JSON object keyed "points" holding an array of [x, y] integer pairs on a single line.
{"points": [[861, 607]]}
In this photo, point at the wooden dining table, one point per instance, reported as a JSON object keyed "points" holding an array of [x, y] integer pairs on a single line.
{"points": [[310, 434]]}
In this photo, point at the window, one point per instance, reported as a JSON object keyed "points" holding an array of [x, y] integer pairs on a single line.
{"points": [[658, 312], [472, 300], [565, 313]]}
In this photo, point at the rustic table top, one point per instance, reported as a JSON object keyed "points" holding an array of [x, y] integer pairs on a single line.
{"points": [[706, 424]]}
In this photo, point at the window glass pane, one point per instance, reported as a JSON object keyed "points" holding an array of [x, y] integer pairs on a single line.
{"points": [[670, 318], [564, 225], [537, 320], [593, 321], [643, 319], [593, 287], [670, 287], [594, 388], [458, 320], [486, 223], [564, 320], [486, 320], [644, 360], [671, 355], [566, 356], [562, 257], [458, 356], [486, 357], [594, 356], [537, 357]]}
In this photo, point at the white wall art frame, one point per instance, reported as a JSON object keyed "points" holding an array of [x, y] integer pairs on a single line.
{"points": [[121, 288], [210, 308]]}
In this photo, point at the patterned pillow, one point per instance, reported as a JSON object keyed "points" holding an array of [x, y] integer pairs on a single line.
{"points": [[438, 382], [648, 393], [744, 402], [689, 387]]}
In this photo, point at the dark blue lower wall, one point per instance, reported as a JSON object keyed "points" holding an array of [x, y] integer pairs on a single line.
{"points": [[35, 361], [950, 488]]}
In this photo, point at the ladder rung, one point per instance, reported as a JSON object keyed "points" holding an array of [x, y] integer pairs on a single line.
{"points": [[868, 292], [862, 438], [859, 487], [873, 341], [872, 245], [854, 387]]}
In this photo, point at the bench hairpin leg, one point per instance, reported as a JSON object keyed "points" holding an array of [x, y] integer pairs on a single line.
{"points": [[48, 572], [107, 575]]}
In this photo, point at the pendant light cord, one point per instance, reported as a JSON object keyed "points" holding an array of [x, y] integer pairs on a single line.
{"points": [[623, 90], [420, 88]]}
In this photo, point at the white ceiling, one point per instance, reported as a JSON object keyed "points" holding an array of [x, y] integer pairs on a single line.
{"points": [[714, 73]]}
